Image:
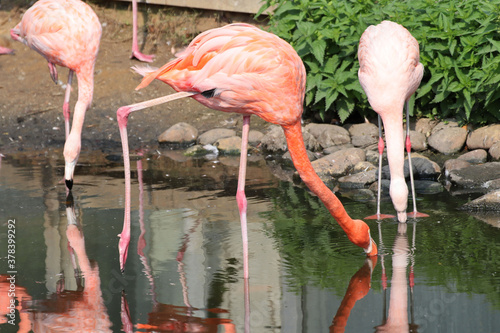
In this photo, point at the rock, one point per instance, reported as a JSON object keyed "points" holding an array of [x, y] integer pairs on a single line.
{"points": [[328, 135], [475, 157], [181, 134], [229, 146], [447, 139], [274, 140], [363, 166], [492, 185], [338, 163], [211, 136], [254, 137], [476, 176], [363, 135], [333, 149], [418, 141], [310, 155], [449, 123], [358, 180], [361, 194], [488, 202], [197, 150], [372, 156], [423, 167], [494, 151], [425, 126], [426, 187], [454, 164], [310, 141], [484, 137]]}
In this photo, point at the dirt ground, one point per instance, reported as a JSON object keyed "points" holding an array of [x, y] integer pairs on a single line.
{"points": [[31, 104]]}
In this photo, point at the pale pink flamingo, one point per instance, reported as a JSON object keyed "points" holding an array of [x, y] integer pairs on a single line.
{"points": [[4, 50], [389, 73], [135, 46], [66, 33], [240, 68]]}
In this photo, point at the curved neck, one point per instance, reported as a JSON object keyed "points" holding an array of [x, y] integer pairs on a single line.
{"points": [[356, 230]]}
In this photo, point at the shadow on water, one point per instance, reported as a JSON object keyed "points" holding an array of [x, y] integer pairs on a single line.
{"points": [[185, 268]]}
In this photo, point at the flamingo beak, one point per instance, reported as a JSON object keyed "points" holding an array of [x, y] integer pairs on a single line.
{"points": [[371, 250], [69, 170]]}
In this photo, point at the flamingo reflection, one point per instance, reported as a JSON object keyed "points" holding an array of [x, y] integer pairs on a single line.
{"points": [[16, 313], [397, 319], [168, 317], [80, 310]]}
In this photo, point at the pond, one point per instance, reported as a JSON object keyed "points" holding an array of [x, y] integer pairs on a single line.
{"points": [[184, 271]]}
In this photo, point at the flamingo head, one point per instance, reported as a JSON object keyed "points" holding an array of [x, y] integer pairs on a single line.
{"points": [[72, 149]]}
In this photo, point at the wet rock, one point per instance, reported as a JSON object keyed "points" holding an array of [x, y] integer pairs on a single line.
{"points": [[492, 185], [475, 157], [181, 134], [254, 137], [197, 150], [364, 134], [211, 136], [361, 194], [418, 141], [274, 140], [286, 156], [372, 156], [455, 164], [328, 135], [333, 149], [484, 137], [475, 176], [363, 166], [426, 187], [494, 151], [423, 167], [358, 180], [338, 163], [447, 139], [425, 126], [229, 146], [490, 217], [310, 141], [488, 202]]}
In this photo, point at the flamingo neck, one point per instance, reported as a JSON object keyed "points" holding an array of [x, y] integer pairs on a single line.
{"points": [[357, 231]]}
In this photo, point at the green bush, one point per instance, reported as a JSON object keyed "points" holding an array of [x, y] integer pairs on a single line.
{"points": [[459, 48]]}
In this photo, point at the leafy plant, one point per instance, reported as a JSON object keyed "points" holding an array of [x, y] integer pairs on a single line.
{"points": [[459, 48]]}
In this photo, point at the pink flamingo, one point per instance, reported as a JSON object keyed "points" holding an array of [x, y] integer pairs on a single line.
{"points": [[240, 68], [135, 47], [389, 73], [66, 33]]}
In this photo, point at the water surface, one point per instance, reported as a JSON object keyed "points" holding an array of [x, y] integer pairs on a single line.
{"points": [[184, 270]]}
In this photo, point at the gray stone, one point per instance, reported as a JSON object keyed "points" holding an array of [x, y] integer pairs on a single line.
{"points": [[448, 140], [425, 126], [363, 166], [484, 137], [328, 135], [423, 167], [358, 180], [254, 137], [475, 157], [229, 146], [488, 202], [418, 141], [427, 187], [363, 135], [494, 151], [274, 140], [333, 149], [196, 150], [476, 176], [211, 136], [180, 133], [310, 141], [310, 155], [338, 163], [455, 164]]}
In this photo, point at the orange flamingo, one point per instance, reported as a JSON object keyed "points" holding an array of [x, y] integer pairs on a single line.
{"points": [[135, 46], [240, 68], [66, 33], [390, 72]]}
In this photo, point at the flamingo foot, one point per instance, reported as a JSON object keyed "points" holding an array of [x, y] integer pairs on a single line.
{"points": [[142, 57], [4, 50], [417, 214], [379, 217]]}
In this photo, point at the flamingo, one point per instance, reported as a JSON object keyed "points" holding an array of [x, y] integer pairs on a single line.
{"points": [[66, 33], [240, 68], [390, 72], [135, 47], [4, 50]]}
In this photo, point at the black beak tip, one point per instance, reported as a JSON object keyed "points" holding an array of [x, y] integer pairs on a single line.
{"points": [[69, 183]]}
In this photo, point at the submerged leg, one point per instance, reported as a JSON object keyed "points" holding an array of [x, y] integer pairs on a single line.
{"points": [[135, 47], [240, 193], [381, 147], [415, 213]]}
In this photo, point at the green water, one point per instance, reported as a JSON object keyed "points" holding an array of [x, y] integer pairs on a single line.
{"points": [[184, 269]]}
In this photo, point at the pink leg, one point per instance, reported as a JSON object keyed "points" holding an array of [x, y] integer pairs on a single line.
{"points": [[240, 192], [53, 72], [135, 47], [4, 50], [408, 150], [381, 147], [66, 110]]}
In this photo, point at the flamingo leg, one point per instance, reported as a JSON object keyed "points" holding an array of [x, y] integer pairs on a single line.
{"points": [[135, 47], [408, 150], [240, 193], [122, 116], [381, 147], [66, 110]]}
